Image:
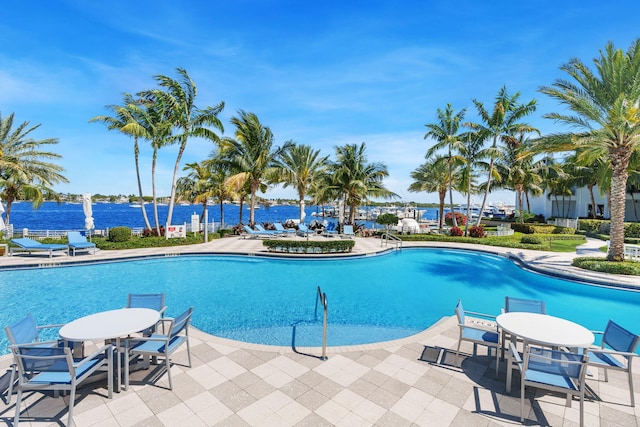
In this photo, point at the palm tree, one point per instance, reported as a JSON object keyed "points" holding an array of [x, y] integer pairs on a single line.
{"points": [[252, 155], [27, 171], [356, 179], [470, 156], [301, 167], [604, 108], [517, 170], [197, 186], [187, 119], [433, 176], [502, 122], [125, 122], [223, 186], [445, 132]]}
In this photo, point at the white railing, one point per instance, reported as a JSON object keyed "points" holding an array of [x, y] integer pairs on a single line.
{"points": [[631, 252]]}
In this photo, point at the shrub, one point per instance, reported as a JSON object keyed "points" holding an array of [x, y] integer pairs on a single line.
{"points": [[461, 218], [631, 268], [531, 240], [522, 228], [455, 231], [477, 231], [309, 247], [224, 231], [387, 219], [119, 234]]}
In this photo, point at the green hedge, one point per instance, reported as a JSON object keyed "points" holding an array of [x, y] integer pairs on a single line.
{"points": [[309, 247], [603, 226], [541, 229], [629, 268]]}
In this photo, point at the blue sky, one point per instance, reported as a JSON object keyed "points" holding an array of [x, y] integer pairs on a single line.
{"points": [[323, 74]]}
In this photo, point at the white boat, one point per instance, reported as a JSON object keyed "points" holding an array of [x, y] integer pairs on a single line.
{"points": [[135, 205]]}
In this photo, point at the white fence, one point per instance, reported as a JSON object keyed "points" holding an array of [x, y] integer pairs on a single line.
{"points": [[564, 222]]}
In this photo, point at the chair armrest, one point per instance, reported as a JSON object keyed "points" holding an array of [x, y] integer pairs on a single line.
{"points": [[609, 351], [143, 339], [162, 310], [59, 325], [108, 348], [515, 354], [484, 315], [597, 332]]}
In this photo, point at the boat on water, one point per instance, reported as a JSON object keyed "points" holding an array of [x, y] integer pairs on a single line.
{"points": [[135, 205]]}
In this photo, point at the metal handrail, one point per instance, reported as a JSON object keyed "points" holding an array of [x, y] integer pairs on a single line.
{"points": [[322, 297], [386, 236]]}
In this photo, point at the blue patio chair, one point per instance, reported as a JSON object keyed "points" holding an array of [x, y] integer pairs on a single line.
{"points": [[78, 242], [554, 370], [347, 232], [25, 331], [158, 345], [25, 244], [616, 352], [54, 368], [285, 231], [512, 304], [524, 305], [152, 301], [480, 329]]}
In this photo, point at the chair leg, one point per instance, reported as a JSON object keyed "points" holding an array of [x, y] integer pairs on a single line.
{"points": [[522, 401], [12, 380], [633, 400], [18, 404], [72, 399], [189, 354], [168, 363], [458, 353]]}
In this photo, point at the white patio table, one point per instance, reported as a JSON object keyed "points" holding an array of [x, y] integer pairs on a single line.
{"points": [[545, 330], [112, 324]]}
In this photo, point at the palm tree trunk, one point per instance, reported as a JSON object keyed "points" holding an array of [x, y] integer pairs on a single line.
{"points": [[453, 212], [619, 164], [153, 191], [172, 202], [526, 196], [488, 189], [221, 214], [593, 201], [442, 195], [466, 225], [7, 214], [519, 192], [136, 154], [241, 206]]}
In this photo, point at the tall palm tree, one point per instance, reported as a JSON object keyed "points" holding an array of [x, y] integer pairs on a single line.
{"points": [[356, 179], [187, 119], [27, 170], [252, 154], [446, 134], [604, 108], [471, 155], [517, 171], [502, 122], [152, 120], [434, 176], [301, 167], [124, 121]]}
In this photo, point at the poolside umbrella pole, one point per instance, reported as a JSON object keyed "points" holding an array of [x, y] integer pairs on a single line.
{"points": [[88, 214]]}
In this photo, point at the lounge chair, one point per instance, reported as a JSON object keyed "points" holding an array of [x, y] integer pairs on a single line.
{"points": [[285, 231], [303, 230], [347, 232], [78, 242], [263, 230], [26, 244], [158, 345], [54, 368], [616, 352], [330, 229], [248, 230], [480, 329]]}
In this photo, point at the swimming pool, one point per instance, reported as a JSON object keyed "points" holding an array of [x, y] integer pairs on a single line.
{"points": [[272, 301]]}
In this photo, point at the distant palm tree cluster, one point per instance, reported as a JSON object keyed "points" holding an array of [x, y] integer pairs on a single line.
{"points": [[27, 170], [240, 166], [601, 107]]}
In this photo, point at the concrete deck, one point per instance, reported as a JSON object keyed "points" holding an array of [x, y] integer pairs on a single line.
{"points": [[413, 381]]}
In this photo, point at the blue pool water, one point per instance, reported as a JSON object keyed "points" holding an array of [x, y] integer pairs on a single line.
{"points": [[272, 301]]}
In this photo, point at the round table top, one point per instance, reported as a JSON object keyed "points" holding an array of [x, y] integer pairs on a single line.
{"points": [[545, 329], [109, 324]]}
